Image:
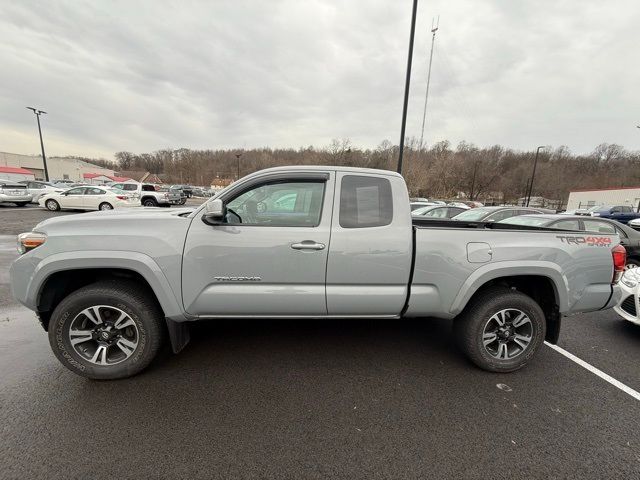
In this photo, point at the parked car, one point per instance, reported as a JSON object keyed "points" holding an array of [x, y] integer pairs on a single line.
{"points": [[415, 205], [150, 195], [37, 189], [620, 213], [494, 214], [629, 305], [344, 247], [629, 238], [61, 183], [587, 211], [132, 189], [635, 224], [183, 195], [462, 205], [13, 192], [87, 198], [438, 211], [187, 189]]}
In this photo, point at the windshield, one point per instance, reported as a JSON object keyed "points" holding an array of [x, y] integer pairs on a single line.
{"points": [[527, 220], [474, 215]]}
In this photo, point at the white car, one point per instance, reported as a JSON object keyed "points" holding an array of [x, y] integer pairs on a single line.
{"points": [[629, 306], [635, 223], [88, 198], [38, 189]]}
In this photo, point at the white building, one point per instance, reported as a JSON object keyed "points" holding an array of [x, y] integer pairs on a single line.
{"points": [[59, 168], [15, 174], [606, 196]]}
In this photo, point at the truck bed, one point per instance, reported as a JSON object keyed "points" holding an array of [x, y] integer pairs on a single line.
{"points": [[452, 259]]}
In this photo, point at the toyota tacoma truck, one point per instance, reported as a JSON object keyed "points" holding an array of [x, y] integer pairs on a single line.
{"points": [[303, 242]]}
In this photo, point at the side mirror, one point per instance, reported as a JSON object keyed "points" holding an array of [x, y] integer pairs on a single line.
{"points": [[214, 212]]}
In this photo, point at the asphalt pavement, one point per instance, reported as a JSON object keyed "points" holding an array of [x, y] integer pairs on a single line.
{"points": [[319, 399]]}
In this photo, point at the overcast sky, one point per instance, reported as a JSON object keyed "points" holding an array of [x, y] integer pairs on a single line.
{"points": [[141, 76]]}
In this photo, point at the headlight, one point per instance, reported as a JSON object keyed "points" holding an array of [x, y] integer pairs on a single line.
{"points": [[631, 277], [29, 241]]}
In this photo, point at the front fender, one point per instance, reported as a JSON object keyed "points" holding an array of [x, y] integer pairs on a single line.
{"points": [[135, 261]]}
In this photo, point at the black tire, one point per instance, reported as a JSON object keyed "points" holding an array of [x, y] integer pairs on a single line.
{"points": [[149, 202], [183, 201], [125, 296], [52, 205], [105, 206], [21, 204], [469, 329]]}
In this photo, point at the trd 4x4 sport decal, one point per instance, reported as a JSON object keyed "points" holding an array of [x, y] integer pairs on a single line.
{"points": [[589, 241]]}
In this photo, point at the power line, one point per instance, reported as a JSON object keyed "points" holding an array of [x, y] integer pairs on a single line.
{"points": [[434, 29]]}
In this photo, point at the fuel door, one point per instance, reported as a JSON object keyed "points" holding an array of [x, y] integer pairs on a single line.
{"points": [[479, 252]]}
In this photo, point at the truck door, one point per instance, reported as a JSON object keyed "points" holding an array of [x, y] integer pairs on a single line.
{"points": [[269, 256], [371, 246]]}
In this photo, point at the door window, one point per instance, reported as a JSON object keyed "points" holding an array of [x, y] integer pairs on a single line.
{"points": [[596, 226], [280, 204], [76, 191], [365, 202], [627, 210], [94, 191]]}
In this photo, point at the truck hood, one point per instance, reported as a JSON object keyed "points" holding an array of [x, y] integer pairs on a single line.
{"points": [[109, 220]]}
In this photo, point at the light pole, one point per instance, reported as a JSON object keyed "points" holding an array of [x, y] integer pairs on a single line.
{"points": [[238, 155], [473, 180], [44, 157], [407, 83], [533, 174]]}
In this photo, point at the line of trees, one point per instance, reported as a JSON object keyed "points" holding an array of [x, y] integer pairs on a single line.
{"points": [[439, 171]]}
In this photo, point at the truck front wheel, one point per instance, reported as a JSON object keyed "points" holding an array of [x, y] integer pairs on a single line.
{"points": [[501, 329], [107, 330]]}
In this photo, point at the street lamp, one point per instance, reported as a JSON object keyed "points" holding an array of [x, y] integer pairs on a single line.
{"points": [[44, 158], [533, 174]]}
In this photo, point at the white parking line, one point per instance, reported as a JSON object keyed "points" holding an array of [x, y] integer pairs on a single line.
{"points": [[595, 371]]}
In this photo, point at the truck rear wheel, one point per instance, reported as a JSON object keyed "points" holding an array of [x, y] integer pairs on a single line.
{"points": [[501, 329], [107, 330]]}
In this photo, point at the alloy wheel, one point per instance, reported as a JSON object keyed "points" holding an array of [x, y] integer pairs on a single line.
{"points": [[507, 334], [104, 335]]}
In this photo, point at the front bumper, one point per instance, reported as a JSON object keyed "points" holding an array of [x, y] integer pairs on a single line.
{"points": [[629, 306]]}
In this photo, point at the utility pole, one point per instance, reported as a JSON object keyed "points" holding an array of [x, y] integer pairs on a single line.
{"points": [[533, 174], [44, 157], [407, 83], [434, 29]]}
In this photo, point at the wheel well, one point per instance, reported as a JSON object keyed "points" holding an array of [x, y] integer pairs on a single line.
{"points": [[539, 288], [60, 284], [148, 197]]}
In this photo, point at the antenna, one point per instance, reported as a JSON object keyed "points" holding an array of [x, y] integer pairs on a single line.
{"points": [[435, 24]]}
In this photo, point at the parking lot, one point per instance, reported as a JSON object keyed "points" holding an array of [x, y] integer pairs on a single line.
{"points": [[318, 399]]}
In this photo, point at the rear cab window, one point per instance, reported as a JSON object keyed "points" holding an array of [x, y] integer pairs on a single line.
{"points": [[365, 202], [598, 226]]}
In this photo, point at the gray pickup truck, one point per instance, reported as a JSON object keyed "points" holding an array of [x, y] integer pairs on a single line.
{"points": [[303, 242]]}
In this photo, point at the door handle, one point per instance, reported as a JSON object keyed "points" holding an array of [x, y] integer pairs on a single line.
{"points": [[308, 245]]}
